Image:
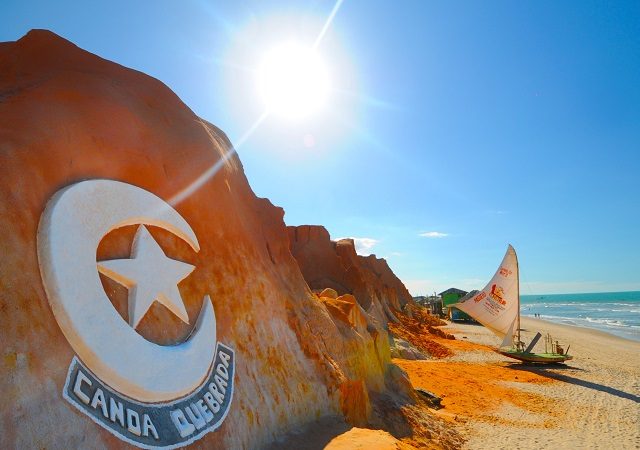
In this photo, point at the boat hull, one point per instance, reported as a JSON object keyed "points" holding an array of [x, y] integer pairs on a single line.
{"points": [[542, 358]]}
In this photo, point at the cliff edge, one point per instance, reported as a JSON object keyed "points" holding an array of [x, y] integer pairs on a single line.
{"points": [[68, 116]]}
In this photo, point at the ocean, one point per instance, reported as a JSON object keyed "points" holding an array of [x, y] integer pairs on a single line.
{"points": [[614, 312]]}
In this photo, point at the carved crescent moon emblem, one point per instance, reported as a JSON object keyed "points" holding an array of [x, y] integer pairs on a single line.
{"points": [[72, 225]]}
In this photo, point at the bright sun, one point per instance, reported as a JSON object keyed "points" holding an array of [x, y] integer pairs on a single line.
{"points": [[293, 81]]}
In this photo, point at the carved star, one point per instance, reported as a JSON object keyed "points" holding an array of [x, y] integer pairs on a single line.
{"points": [[149, 276]]}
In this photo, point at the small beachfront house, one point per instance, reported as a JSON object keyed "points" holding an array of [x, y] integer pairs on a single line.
{"points": [[449, 297], [420, 300], [433, 303]]}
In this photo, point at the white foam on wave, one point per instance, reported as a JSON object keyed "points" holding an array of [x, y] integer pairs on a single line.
{"points": [[618, 316], [610, 322]]}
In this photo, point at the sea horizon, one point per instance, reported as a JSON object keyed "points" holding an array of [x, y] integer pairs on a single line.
{"points": [[617, 313]]}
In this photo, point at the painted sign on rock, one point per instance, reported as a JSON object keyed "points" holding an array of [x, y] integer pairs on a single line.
{"points": [[147, 394]]}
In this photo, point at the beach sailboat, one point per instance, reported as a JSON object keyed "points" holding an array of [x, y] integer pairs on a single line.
{"points": [[497, 307]]}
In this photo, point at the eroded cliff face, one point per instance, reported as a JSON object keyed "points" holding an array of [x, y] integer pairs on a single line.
{"points": [[67, 115], [335, 264]]}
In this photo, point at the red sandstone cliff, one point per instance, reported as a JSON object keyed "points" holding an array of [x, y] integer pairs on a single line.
{"points": [[67, 115], [334, 264]]}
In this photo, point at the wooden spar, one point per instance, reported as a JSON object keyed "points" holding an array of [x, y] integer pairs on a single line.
{"points": [[533, 342], [518, 284]]}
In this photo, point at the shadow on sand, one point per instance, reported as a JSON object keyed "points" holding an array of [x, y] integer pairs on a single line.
{"points": [[465, 322], [549, 372], [315, 436]]}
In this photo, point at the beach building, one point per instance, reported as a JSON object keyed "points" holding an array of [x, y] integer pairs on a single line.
{"points": [[420, 300], [449, 297], [433, 303]]}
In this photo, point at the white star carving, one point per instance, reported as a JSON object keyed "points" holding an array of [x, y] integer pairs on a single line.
{"points": [[149, 276]]}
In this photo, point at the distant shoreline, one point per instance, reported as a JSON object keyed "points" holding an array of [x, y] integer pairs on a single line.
{"points": [[616, 313], [626, 337], [592, 330], [579, 293]]}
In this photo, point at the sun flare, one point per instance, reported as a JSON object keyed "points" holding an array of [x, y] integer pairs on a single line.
{"points": [[293, 81]]}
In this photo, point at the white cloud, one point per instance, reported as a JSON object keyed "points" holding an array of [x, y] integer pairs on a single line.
{"points": [[391, 255], [433, 234], [363, 245]]}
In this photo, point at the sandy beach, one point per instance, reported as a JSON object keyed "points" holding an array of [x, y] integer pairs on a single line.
{"points": [[592, 401]]}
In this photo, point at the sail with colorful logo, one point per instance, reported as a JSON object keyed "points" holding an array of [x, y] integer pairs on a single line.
{"points": [[497, 306]]}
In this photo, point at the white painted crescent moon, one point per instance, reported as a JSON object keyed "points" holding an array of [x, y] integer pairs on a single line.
{"points": [[72, 225]]}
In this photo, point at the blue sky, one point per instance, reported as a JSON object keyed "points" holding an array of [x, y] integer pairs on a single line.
{"points": [[452, 128]]}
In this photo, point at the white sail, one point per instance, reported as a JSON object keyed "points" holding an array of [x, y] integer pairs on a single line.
{"points": [[508, 338], [497, 306]]}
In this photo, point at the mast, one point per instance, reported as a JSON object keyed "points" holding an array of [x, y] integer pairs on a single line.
{"points": [[518, 284]]}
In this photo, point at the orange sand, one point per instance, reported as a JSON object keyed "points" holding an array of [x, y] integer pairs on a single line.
{"points": [[475, 390], [494, 403], [420, 331], [456, 346], [359, 438]]}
